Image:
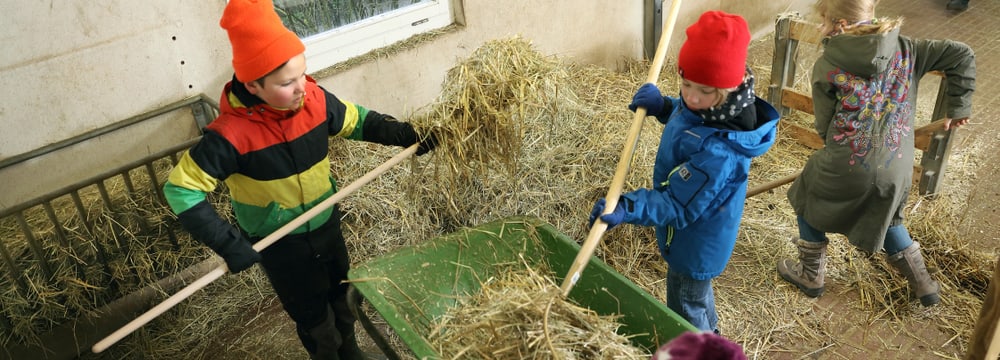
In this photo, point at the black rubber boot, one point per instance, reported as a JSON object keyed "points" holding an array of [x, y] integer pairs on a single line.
{"points": [[349, 349], [328, 339]]}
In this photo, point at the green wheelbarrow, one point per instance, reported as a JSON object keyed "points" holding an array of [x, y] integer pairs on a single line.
{"points": [[411, 287]]}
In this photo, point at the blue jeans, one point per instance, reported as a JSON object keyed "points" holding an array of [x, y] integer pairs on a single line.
{"points": [[896, 237], [694, 300]]}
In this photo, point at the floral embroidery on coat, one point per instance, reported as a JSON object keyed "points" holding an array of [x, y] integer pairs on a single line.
{"points": [[874, 113]]}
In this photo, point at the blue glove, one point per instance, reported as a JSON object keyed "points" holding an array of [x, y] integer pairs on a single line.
{"points": [[614, 218], [648, 97]]}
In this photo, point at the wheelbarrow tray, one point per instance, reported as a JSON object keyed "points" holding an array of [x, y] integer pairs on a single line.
{"points": [[413, 286]]}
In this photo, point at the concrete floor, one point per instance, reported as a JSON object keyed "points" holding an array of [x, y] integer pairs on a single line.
{"points": [[978, 27]]}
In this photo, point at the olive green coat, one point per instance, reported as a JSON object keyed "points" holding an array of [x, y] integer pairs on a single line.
{"points": [[864, 89]]}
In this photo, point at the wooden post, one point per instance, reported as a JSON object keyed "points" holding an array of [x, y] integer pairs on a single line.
{"points": [[985, 340]]}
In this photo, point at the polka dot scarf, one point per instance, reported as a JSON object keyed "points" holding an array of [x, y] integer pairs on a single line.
{"points": [[737, 112]]}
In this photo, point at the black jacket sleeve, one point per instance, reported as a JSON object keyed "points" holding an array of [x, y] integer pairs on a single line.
{"points": [[386, 130], [206, 226]]}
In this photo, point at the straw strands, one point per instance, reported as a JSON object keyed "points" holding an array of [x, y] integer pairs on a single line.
{"points": [[521, 314], [568, 154], [479, 118], [115, 242], [535, 135]]}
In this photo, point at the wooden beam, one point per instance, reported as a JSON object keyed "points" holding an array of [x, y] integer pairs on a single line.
{"points": [[922, 136], [985, 340], [805, 32], [804, 136], [773, 184], [796, 100]]}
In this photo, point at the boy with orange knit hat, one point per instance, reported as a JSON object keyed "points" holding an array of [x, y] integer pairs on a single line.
{"points": [[270, 146], [713, 130]]}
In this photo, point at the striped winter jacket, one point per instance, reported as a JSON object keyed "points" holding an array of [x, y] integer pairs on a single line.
{"points": [[274, 162]]}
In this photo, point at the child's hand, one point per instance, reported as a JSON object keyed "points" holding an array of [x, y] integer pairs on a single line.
{"points": [[649, 98], [614, 218], [427, 144], [949, 123]]}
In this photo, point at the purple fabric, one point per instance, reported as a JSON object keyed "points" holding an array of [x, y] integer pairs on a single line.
{"points": [[700, 346]]}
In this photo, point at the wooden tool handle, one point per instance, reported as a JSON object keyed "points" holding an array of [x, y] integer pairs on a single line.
{"points": [[624, 162], [773, 184], [259, 246]]}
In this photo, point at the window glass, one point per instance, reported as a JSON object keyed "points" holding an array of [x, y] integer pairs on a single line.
{"points": [[336, 30], [311, 17]]}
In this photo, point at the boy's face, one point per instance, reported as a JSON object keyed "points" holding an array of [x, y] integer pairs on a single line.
{"points": [[284, 88], [697, 96]]}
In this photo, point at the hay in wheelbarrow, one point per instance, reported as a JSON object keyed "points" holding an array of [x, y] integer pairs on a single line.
{"points": [[522, 314], [426, 294]]}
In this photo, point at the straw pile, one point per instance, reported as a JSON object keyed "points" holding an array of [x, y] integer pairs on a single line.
{"points": [[522, 315], [567, 159], [561, 139], [127, 231], [568, 155], [480, 118]]}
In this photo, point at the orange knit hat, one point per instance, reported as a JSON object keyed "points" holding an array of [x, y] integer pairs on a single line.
{"points": [[260, 41]]}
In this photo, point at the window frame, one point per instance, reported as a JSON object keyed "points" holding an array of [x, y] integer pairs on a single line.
{"points": [[343, 43]]}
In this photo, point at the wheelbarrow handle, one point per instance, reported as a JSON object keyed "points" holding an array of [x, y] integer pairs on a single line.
{"points": [[259, 246], [624, 162]]}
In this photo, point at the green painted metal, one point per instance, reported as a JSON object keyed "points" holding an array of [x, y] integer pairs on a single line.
{"points": [[412, 286]]}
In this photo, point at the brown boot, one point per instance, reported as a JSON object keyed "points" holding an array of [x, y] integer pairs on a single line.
{"points": [[807, 274], [910, 263]]}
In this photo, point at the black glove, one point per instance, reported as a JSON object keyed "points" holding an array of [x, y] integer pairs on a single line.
{"points": [[239, 255], [648, 97], [386, 130], [427, 144], [206, 226]]}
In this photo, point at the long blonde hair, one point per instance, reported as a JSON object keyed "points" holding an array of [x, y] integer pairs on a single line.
{"points": [[858, 14]]}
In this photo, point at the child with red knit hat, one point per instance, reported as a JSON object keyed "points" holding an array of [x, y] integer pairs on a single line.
{"points": [[713, 130], [270, 146]]}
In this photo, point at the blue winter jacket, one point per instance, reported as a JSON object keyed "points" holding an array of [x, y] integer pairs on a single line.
{"points": [[699, 188]]}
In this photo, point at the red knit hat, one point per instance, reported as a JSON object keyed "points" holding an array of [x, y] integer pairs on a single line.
{"points": [[260, 41], [715, 52]]}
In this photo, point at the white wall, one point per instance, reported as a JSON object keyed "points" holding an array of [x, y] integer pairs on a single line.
{"points": [[596, 32], [71, 66]]}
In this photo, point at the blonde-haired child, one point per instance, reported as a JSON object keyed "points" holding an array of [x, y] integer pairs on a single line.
{"points": [[864, 89]]}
